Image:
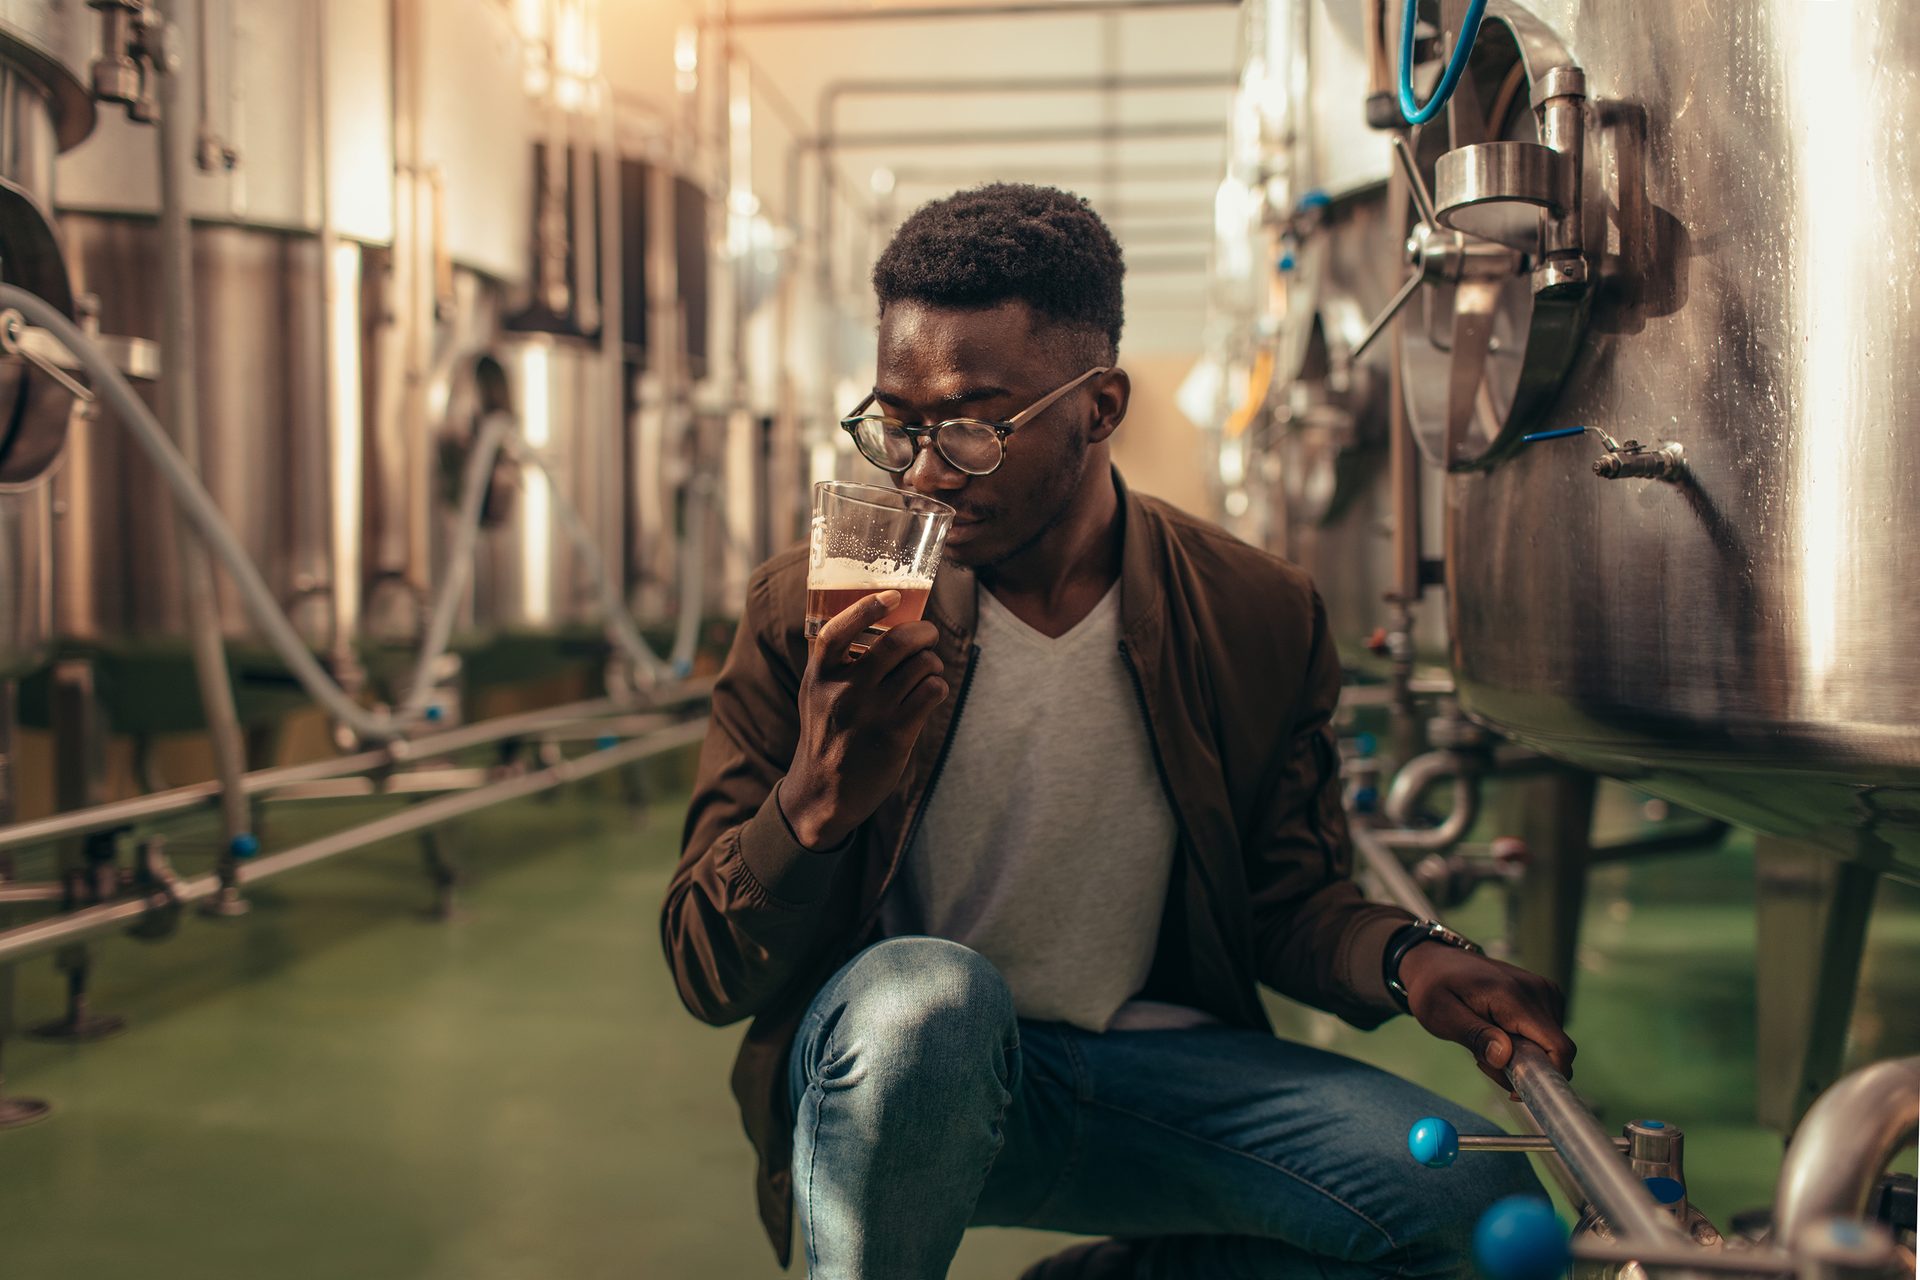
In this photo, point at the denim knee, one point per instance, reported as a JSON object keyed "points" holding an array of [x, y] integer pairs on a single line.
{"points": [[914, 1012]]}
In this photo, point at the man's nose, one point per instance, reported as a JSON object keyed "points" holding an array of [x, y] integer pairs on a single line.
{"points": [[932, 474]]}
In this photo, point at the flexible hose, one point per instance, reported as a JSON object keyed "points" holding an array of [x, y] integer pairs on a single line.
{"points": [[457, 571], [178, 350], [620, 622], [201, 511], [1415, 111]]}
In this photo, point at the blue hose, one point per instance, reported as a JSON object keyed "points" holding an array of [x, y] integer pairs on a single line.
{"points": [[1416, 112]]}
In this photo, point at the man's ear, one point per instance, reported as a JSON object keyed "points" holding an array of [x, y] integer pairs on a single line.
{"points": [[1111, 392]]}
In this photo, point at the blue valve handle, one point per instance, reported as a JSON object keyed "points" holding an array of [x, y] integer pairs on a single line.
{"points": [[1434, 1142], [1558, 433], [1521, 1238], [244, 845]]}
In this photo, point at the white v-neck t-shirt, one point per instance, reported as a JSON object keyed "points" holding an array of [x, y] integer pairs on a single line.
{"points": [[1048, 841]]}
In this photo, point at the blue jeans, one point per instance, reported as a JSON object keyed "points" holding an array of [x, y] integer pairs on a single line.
{"points": [[924, 1106]]}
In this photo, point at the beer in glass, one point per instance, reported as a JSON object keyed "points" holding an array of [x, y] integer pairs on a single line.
{"points": [[865, 540]]}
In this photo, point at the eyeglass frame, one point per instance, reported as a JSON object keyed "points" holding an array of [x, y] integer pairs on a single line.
{"points": [[1001, 430]]}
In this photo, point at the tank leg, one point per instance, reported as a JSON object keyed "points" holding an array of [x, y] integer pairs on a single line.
{"points": [[443, 871], [14, 1112], [89, 869], [1554, 815], [1812, 909], [79, 1023], [633, 791]]}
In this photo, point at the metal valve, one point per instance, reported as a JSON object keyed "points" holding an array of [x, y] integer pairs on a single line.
{"points": [[1624, 459]]}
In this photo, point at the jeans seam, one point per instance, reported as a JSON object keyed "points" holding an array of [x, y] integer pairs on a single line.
{"points": [[1304, 1181], [819, 1091], [1077, 1142]]}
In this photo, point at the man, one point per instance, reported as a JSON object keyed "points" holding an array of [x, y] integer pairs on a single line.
{"points": [[998, 893]]}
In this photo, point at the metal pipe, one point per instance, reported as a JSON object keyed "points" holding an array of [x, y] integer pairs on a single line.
{"points": [[45, 935], [1685, 1255], [1844, 1143], [1390, 876], [1690, 840], [1411, 782], [1144, 131], [1588, 1150], [434, 812], [944, 85], [412, 783], [1530, 1142], [1002, 9], [179, 350], [122, 813]]}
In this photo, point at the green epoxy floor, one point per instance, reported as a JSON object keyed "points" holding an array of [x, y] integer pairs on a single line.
{"points": [[336, 1086]]}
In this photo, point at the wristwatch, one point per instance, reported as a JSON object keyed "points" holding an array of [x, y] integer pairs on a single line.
{"points": [[1405, 939]]}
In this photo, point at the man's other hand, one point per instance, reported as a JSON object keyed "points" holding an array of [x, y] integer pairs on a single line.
{"points": [[859, 717]]}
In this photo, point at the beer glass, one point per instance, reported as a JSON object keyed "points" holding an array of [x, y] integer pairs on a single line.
{"points": [[867, 539]]}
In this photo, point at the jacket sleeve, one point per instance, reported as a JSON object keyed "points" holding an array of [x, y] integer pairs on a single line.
{"points": [[1317, 939], [745, 911]]}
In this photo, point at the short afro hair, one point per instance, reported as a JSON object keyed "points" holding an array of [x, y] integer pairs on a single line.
{"points": [[1007, 242]]}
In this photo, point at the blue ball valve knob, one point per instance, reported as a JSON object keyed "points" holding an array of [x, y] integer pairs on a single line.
{"points": [[1434, 1142], [1366, 799], [434, 713], [606, 741], [244, 845], [1365, 745], [1521, 1239]]}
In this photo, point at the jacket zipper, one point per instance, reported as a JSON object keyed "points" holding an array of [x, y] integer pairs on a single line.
{"points": [[926, 797]]}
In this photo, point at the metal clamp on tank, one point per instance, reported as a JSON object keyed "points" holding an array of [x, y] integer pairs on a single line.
{"points": [[1503, 212]]}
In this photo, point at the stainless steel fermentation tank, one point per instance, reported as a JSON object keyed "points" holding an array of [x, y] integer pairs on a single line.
{"points": [[292, 209], [1738, 637], [44, 109]]}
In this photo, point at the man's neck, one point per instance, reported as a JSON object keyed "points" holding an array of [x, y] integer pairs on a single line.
{"points": [[1054, 583]]}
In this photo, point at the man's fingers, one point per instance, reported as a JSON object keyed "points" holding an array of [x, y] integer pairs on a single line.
{"points": [[921, 700], [1522, 1018], [907, 674], [897, 649], [847, 626]]}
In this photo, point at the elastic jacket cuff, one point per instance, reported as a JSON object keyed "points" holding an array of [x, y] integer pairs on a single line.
{"points": [[785, 868], [1366, 954]]}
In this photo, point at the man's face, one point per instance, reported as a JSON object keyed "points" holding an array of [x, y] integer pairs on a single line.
{"points": [[937, 363]]}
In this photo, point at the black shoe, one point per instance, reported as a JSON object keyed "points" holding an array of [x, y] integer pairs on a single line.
{"points": [[1094, 1260]]}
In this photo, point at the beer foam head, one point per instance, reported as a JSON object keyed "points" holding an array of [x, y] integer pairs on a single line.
{"points": [[841, 574]]}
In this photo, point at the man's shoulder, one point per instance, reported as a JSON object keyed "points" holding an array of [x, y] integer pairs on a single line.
{"points": [[1220, 561]]}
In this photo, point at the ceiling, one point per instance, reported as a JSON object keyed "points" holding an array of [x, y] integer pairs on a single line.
{"points": [[1148, 149]]}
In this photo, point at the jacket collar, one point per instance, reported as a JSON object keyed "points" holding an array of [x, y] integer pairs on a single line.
{"points": [[955, 607]]}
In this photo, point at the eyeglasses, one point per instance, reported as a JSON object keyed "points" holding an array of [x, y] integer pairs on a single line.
{"points": [[968, 444]]}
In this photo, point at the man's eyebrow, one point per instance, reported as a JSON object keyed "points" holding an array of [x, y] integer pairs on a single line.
{"points": [[971, 395]]}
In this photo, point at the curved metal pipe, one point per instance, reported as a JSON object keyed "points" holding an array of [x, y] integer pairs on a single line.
{"points": [[1843, 1145], [1411, 782]]}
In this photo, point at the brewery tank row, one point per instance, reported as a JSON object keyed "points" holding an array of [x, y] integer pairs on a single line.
{"points": [[373, 274]]}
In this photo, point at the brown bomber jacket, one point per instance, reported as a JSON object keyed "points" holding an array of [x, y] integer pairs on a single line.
{"points": [[1237, 678]]}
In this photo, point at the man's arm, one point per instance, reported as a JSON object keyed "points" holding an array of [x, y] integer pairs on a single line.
{"points": [[1321, 943], [1317, 940], [744, 907], [790, 755]]}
